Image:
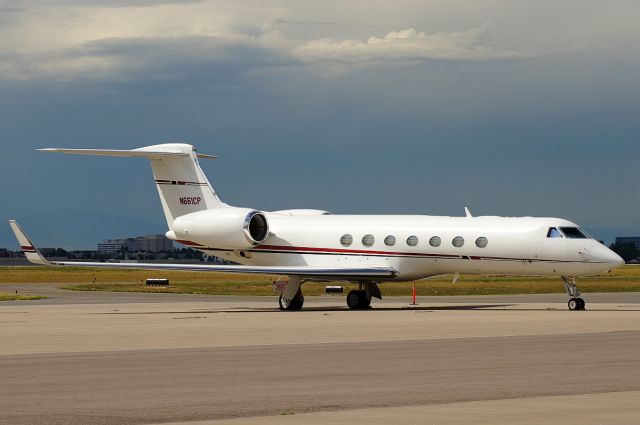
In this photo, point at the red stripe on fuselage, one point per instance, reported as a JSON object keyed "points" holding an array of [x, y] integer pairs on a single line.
{"points": [[189, 243], [338, 251], [346, 251]]}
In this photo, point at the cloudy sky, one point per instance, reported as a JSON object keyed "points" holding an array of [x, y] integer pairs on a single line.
{"points": [[527, 107]]}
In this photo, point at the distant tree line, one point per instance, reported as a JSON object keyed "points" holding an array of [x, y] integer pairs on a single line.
{"points": [[628, 251], [124, 254]]}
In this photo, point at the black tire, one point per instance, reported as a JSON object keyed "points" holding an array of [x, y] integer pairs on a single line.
{"points": [[365, 300], [299, 301], [581, 303], [353, 300], [296, 303], [573, 304]]}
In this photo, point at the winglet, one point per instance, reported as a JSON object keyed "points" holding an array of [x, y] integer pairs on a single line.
{"points": [[29, 249]]}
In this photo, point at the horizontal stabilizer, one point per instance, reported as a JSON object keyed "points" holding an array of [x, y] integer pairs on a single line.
{"points": [[180, 181], [130, 153]]}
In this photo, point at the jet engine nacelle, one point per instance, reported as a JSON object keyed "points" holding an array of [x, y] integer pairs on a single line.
{"points": [[227, 227]]}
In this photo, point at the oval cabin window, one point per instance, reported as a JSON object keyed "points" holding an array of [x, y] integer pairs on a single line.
{"points": [[346, 240], [435, 241], [412, 240], [390, 240], [368, 240], [482, 242], [458, 241]]}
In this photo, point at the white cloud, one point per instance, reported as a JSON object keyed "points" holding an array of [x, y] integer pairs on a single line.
{"points": [[407, 45], [62, 41]]}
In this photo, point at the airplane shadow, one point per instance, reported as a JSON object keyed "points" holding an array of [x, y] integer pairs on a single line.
{"points": [[419, 309], [345, 308], [425, 309]]}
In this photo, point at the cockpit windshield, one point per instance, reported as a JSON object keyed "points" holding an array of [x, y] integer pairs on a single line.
{"points": [[573, 233], [554, 233]]}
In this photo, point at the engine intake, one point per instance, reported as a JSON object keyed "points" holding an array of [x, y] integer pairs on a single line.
{"points": [[256, 227], [227, 228]]}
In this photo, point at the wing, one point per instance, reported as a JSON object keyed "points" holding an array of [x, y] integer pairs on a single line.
{"points": [[349, 273]]}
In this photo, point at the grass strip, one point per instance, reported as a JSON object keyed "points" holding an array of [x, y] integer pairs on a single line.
{"points": [[16, 297], [625, 279]]}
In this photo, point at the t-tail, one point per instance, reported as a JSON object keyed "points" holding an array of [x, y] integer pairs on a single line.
{"points": [[181, 183]]}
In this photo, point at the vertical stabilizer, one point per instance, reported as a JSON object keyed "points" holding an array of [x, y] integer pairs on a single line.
{"points": [[181, 183]]}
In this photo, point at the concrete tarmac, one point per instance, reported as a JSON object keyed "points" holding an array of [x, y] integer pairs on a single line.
{"points": [[516, 359]]}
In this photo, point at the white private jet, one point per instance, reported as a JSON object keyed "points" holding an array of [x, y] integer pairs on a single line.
{"points": [[303, 245]]}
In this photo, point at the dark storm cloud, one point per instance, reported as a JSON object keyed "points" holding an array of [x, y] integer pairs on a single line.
{"points": [[345, 118], [143, 63]]}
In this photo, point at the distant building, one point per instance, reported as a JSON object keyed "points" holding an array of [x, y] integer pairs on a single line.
{"points": [[155, 243], [4, 252], [624, 240], [149, 243]]}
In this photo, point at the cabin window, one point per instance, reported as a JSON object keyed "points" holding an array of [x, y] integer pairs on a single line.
{"points": [[458, 241], [435, 241], [554, 233], [412, 240], [346, 240], [390, 240], [573, 233], [482, 242], [368, 240]]}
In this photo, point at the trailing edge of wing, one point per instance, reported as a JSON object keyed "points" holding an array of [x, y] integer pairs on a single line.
{"points": [[351, 273], [34, 256]]}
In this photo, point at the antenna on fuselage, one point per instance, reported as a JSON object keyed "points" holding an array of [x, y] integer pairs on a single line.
{"points": [[467, 212]]}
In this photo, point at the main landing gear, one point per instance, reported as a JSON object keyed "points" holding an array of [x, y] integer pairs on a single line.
{"points": [[570, 285], [291, 298], [292, 305], [360, 299]]}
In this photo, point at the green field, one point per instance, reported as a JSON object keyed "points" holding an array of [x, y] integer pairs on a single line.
{"points": [[16, 297], [625, 279]]}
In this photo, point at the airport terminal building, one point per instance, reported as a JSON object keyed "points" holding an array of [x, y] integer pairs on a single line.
{"points": [[148, 243]]}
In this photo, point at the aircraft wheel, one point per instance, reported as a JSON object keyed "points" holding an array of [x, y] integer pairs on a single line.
{"points": [[581, 304], [573, 304], [353, 299], [358, 300], [365, 300], [294, 305]]}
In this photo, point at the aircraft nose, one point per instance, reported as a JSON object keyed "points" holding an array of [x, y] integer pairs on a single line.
{"points": [[609, 257]]}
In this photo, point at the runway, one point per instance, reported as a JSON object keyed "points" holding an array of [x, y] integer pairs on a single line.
{"points": [[213, 359]]}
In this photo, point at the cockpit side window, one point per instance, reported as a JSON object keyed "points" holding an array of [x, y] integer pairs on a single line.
{"points": [[573, 233], [554, 233]]}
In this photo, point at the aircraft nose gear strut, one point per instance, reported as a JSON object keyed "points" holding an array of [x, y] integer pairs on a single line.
{"points": [[570, 285]]}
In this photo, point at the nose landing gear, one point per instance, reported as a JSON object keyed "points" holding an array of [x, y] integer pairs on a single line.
{"points": [[570, 285], [576, 304]]}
